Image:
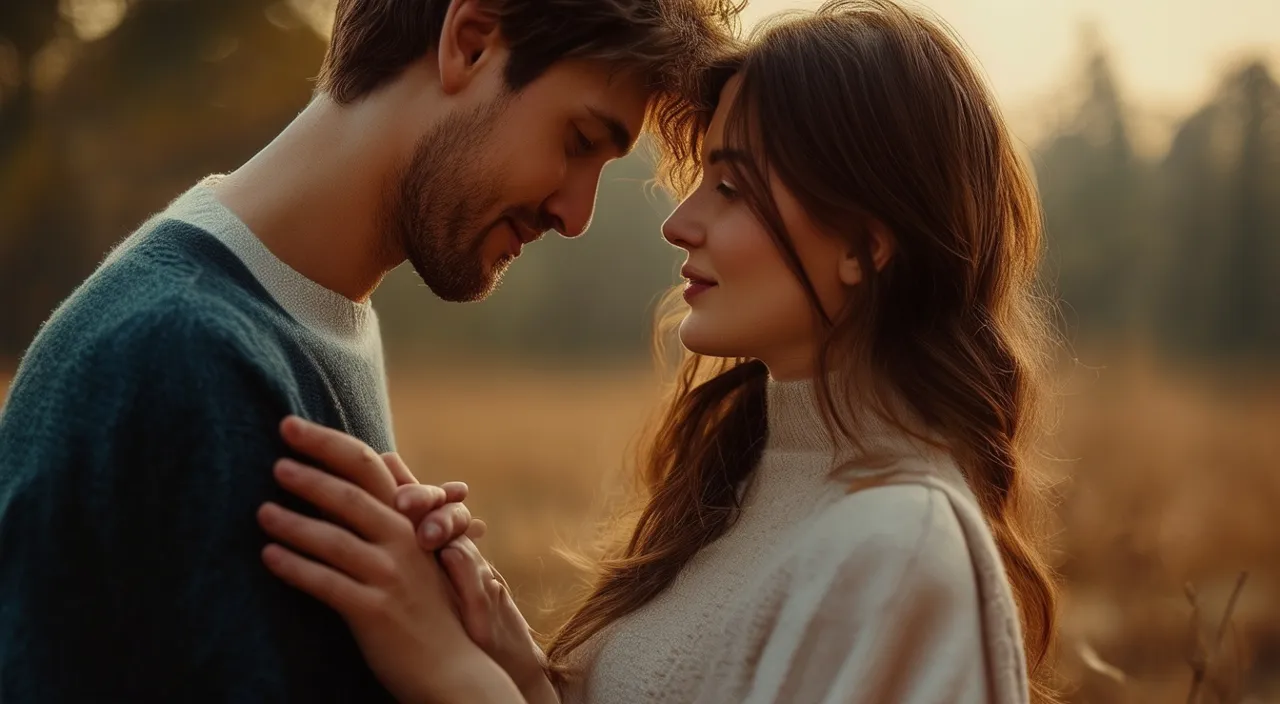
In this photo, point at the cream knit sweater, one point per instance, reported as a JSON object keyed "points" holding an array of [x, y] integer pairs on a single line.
{"points": [[894, 593]]}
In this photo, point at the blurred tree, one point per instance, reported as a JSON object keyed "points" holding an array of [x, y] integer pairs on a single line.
{"points": [[26, 27], [1219, 255], [1093, 188], [30, 171], [152, 99]]}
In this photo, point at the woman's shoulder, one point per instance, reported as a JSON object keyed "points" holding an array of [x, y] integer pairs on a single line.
{"points": [[897, 517], [909, 525]]}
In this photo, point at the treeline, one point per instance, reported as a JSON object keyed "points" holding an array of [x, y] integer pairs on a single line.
{"points": [[1182, 249]]}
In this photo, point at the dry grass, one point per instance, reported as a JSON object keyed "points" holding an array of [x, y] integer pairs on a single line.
{"points": [[1169, 483]]}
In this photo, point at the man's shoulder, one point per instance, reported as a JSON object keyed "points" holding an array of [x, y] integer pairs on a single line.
{"points": [[171, 295], [155, 321]]}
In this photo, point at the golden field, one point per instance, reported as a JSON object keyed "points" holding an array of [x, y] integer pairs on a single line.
{"points": [[1165, 482]]}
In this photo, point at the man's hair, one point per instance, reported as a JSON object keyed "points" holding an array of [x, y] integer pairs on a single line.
{"points": [[667, 43]]}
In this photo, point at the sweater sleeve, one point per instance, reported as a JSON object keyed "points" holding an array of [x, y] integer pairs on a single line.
{"points": [[882, 607], [131, 472]]}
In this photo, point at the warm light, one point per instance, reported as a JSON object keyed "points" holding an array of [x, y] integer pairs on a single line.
{"points": [[93, 19], [318, 14], [51, 64]]}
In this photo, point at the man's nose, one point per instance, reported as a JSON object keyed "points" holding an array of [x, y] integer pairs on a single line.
{"points": [[572, 206]]}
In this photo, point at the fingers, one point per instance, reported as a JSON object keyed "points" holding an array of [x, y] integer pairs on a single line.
{"points": [[326, 542], [455, 491], [341, 454], [338, 591], [437, 513], [470, 575], [415, 501], [345, 502], [477, 530], [442, 526], [399, 470]]}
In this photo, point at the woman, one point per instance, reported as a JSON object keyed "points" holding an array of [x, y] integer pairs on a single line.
{"points": [[840, 493]]}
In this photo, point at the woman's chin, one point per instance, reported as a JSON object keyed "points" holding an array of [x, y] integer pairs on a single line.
{"points": [[699, 337]]}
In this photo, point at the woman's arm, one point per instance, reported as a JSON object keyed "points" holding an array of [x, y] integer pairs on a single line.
{"points": [[473, 678], [495, 623], [882, 607]]}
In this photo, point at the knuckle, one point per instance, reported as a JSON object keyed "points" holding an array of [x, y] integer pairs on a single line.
{"points": [[379, 604], [346, 550], [348, 494], [368, 459], [495, 589], [461, 512], [383, 566]]}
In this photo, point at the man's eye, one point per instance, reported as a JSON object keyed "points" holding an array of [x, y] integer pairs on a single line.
{"points": [[727, 191], [582, 145]]}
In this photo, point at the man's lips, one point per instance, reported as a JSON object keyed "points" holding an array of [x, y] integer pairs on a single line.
{"points": [[523, 231]]}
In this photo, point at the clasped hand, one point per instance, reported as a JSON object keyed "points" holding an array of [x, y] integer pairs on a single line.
{"points": [[432, 628]]}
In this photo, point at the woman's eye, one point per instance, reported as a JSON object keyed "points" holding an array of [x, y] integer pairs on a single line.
{"points": [[727, 191]]}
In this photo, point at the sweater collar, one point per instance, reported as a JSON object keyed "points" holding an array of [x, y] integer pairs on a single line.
{"points": [[308, 302], [796, 420]]}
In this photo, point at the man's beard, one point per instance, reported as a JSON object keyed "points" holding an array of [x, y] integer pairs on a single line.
{"points": [[436, 208]]}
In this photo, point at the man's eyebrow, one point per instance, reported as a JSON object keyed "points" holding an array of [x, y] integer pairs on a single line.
{"points": [[618, 132], [718, 155]]}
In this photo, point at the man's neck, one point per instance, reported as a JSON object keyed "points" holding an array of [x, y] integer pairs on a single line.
{"points": [[314, 196]]}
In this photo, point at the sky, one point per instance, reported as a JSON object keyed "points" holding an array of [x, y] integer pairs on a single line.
{"points": [[1168, 54]]}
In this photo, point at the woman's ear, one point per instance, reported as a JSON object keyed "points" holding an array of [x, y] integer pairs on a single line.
{"points": [[468, 40], [880, 241]]}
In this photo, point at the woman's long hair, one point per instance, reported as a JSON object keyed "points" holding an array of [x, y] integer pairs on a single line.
{"points": [[868, 112]]}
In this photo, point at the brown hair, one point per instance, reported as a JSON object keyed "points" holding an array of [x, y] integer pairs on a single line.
{"points": [[865, 110], [665, 42]]}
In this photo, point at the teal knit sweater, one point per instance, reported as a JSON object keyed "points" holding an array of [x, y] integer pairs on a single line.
{"points": [[135, 447]]}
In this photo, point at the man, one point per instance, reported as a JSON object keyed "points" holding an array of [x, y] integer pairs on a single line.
{"points": [[139, 434]]}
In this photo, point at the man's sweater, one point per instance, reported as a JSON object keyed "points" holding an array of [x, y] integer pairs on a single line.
{"points": [[136, 446]]}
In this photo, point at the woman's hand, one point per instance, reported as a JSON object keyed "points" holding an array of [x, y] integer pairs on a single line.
{"points": [[366, 564], [493, 621], [438, 514], [488, 611]]}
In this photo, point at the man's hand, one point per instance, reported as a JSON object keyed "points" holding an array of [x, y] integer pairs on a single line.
{"points": [[365, 563], [347, 457]]}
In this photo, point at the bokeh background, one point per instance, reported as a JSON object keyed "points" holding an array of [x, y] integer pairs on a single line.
{"points": [[1154, 128]]}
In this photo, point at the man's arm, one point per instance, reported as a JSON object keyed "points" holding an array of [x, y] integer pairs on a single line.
{"points": [[129, 550]]}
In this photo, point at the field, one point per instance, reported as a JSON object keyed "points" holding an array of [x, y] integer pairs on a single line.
{"points": [[1167, 483]]}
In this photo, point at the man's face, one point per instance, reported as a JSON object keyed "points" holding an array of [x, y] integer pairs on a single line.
{"points": [[486, 181]]}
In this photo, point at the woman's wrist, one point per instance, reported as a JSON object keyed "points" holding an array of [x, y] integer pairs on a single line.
{"points": [[469, 676], [537, 689]]}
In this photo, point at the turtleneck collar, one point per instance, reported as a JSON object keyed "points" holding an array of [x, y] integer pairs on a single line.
{"points": [[796, 424]]}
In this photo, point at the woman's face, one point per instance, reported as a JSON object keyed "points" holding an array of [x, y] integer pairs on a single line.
{"points": [[744, 299]]}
